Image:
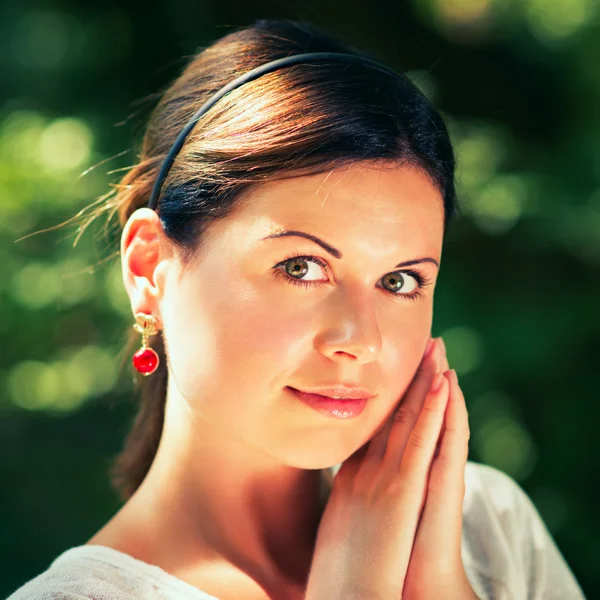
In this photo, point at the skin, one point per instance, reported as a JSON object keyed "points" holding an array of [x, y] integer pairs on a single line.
{"points": [[237, 481]]}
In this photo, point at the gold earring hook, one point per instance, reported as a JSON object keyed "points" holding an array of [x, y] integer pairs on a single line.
{"points": [[146, 325]]}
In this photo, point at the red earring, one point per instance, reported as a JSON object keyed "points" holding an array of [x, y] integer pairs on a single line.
{"points": [[145, 360]]}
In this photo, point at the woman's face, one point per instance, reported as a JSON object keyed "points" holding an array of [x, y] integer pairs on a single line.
{"points": [[237, 333]]}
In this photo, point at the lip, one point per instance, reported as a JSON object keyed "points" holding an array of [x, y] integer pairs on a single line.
{"points": [[332, 407], [341, 392]]}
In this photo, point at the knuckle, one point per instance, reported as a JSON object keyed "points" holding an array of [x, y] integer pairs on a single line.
{"points": [[406, 415], [446, 474], [431, 407], [418, 439], [438, 476], [404, 486], [458, 431], [463, 433]]}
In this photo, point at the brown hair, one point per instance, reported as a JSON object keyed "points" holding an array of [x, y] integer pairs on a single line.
{"points": [[298, 120]]}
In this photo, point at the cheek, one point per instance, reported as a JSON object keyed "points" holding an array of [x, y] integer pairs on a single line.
{"points": [[232, 340], [402, 363]]}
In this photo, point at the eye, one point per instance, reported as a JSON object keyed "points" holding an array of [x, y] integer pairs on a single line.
{"points": [[299, 266], [403, 284], [399, 281]]}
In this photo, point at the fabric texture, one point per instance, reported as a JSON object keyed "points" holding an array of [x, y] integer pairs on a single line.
{"points": [[507, 550]]}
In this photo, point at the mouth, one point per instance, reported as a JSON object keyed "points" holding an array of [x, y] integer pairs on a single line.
{"points": [[340, 408], [338, 393]]}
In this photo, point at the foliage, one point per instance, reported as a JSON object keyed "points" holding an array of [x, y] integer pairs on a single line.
{"points": [[518, 297]]}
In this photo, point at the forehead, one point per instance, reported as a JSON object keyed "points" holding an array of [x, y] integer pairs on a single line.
{"points": [[371, 213]]}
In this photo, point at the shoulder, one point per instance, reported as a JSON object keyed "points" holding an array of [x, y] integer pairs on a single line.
{"points": [[94, 572], [496, 503], [488, 488], [493, 507], [72, 576], [506, 547]]}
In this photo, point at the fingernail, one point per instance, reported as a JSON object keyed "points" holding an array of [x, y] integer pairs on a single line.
{"points": [[438, 353], [429, 347], [443, 345], [437, 383]]}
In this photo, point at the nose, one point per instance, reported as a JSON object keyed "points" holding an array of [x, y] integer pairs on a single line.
{"points": [[351, 330]]}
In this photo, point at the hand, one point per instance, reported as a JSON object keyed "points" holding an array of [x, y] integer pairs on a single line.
{"points": [[436, 549], [369, 526]]}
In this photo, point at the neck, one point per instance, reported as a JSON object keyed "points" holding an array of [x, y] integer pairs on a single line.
{"points": [[203, 500]]}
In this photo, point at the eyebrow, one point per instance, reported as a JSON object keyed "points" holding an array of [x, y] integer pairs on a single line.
{"points": [[336, 253]]}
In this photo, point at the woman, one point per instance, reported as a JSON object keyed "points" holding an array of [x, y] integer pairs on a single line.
{"points": [[280, 251]]}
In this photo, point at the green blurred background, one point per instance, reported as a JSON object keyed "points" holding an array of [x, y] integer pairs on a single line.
{"points": [[518, 299]]}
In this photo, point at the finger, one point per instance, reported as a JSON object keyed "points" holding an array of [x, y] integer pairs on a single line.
{"points": [[445, 367], [436, 452], [408, 412], [414, 463], [410, 404], [442, 514], [444, 363], [448, 466]]}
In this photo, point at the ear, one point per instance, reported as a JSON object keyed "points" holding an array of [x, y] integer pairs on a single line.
{"points": [[144, 247]]}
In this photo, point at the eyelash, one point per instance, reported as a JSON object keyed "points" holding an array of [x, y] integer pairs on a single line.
{"points": [[422, 280]]}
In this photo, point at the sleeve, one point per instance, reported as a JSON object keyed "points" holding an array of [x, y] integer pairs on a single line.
{"points": [[543, 569], [68, 585], [548, 574]]}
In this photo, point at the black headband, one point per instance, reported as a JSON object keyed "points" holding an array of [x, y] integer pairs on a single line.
{"points": [[253, 74]]}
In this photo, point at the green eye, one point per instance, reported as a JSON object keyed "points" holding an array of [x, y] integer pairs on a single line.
{"points": [[295, 267], [398, 281]]}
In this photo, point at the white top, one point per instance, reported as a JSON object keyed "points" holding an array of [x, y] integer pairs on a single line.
{"points": [[508, 554]]}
